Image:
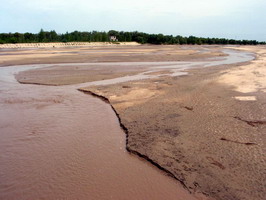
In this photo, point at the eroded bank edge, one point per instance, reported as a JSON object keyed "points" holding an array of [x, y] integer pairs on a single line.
{"points": [[145, 157]]}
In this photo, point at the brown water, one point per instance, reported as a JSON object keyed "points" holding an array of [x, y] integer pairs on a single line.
{"points": [[58, 143]]}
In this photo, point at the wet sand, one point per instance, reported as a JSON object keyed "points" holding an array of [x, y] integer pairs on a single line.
{"points": [[123, 53], [202, 128], [68, 145], [197, 127], [58, 143]]}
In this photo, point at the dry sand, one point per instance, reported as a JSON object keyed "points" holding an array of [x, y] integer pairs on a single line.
{"points": [[206, 129], [248, 78], [63, 44]]}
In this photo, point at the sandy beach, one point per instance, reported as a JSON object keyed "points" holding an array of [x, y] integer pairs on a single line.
{"points": [[206, 128]]}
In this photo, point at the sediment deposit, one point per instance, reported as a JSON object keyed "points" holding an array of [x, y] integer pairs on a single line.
{"points": [[203, 128]]}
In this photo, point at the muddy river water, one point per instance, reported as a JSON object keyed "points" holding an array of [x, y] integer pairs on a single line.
{"points": [[59, 143]]}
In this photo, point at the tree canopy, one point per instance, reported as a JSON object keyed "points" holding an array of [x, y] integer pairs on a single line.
{"points": [[98, 36]]}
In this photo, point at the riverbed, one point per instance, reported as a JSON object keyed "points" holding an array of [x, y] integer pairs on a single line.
{"points": [[58, 143]]}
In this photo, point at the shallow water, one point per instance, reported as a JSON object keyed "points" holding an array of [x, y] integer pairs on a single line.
{"points": [[176, 68], [58, 143]]}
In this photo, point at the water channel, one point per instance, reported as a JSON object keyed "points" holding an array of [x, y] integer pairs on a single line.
{"points": [[59, 143]]}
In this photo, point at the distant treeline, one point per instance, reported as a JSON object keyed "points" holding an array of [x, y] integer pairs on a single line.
{"points": [[96, 36]]}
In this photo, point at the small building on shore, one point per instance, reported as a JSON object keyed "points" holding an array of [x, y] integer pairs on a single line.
{"points": [[113, 39]]}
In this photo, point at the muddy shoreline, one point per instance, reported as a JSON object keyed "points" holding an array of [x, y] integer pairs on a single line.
{"points": [[200, 132], [215, 126], [59, 148], [188, 107], [124, 128]]}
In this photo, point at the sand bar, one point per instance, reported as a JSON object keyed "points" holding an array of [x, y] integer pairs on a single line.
{"points": [[191, 126]]}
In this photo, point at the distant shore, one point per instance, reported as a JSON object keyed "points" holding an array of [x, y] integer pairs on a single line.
{"points": [[63, 44]]}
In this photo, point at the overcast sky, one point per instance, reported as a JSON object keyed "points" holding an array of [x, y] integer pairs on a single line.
{"points": [[236, 19]]}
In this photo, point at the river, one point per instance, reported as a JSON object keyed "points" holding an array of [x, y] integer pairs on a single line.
{"points": [[59, 143]]}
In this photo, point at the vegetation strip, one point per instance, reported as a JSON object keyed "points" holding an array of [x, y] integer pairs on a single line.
{"points": [[115, 36]]}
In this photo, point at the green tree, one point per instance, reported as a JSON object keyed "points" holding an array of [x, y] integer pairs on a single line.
{"points": [[41, 36]]}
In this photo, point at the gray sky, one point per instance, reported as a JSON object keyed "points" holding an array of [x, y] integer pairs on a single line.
{"points": [[236, 19]]}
